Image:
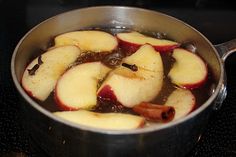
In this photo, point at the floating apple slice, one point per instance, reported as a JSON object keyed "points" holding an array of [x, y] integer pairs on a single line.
{"points": [[113, 121], [183, 102], [138, 79], [95, 41], [76, 89], [40, 76], [133, 40], [189, 71]]}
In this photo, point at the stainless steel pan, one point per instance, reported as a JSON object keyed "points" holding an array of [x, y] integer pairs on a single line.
{"points": [[61, 138]]}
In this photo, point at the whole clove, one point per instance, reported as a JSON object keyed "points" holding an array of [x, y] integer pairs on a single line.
{"points": [[131, 67], [40, 60], [36, 66]]}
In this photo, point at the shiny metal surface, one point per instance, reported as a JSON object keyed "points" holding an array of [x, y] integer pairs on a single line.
{"points": [[224, 50], [61, 138]]}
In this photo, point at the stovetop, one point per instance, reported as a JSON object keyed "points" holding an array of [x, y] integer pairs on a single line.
{"points": [[217, 24]]}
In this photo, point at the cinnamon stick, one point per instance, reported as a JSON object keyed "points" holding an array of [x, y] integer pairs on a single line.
{"points": [[154, 112]]}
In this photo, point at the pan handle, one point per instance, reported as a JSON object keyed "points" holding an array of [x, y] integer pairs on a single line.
{"points": [[224, 50]]}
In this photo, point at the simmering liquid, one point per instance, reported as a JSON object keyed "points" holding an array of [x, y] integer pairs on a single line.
{"points": [[114, 59]]}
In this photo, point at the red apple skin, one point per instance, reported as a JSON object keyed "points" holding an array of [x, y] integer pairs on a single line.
{"points": [[28, 92], [107, 93], [165, 48], [61, 105], [78, 44], [196, 85], [199, 84], [128, 46], [133, 47], [191, 109], [194, 106]]}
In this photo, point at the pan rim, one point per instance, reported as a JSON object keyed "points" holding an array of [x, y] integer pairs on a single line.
{"points": [[49, 114]]}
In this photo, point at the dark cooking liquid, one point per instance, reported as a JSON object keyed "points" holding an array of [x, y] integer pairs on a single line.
{"points": [[113, 59]]}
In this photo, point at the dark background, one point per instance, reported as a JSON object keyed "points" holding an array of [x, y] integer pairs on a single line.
{"points": [[216, 19]]}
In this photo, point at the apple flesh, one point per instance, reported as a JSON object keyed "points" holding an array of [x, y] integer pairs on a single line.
{"points": [[113, 121], [95, 41], [129, 87], [183, 102], [54, 62], [189, 70], [76, 88], [131, 41]]}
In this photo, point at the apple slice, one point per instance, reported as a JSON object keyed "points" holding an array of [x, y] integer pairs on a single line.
{"points": [[131, 41], [113, 121], [183, 102], [189, 71], [95, 41], [138, 79], [76, 89], [40, 76]]}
